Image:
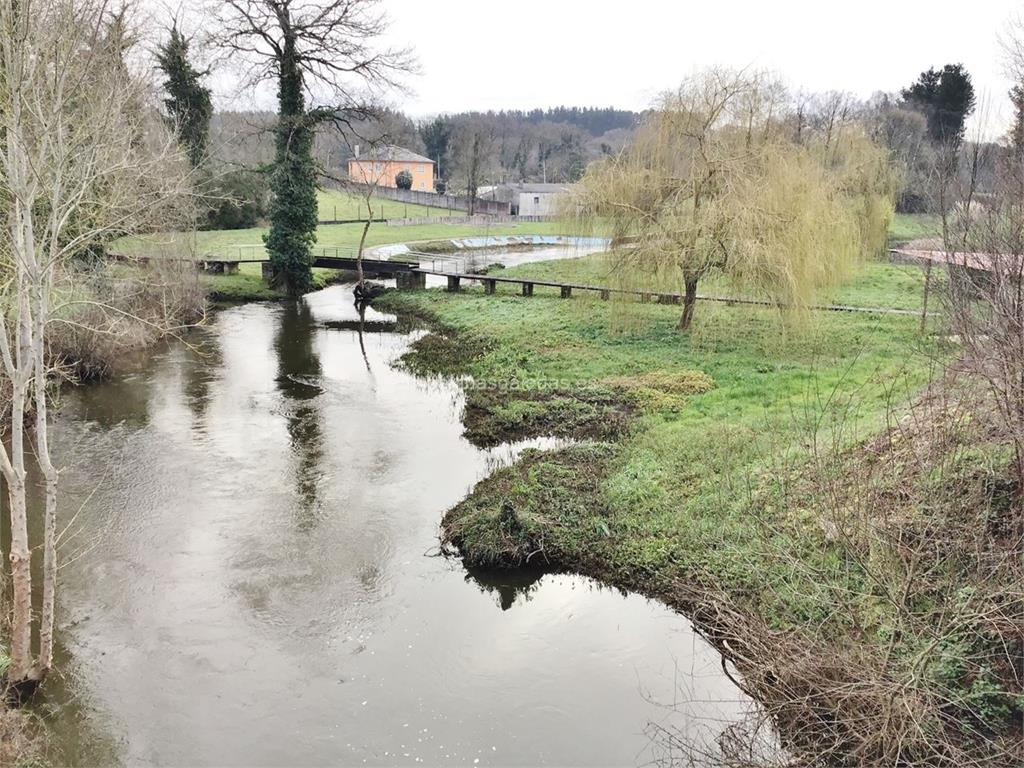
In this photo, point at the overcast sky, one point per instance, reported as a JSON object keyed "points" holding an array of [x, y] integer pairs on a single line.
{"points": [[528, 53]]}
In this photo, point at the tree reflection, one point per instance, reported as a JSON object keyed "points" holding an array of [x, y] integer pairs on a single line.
{"points": [[506, 584], [203, 359], [299, 379]]}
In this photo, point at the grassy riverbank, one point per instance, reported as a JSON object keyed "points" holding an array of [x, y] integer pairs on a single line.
{"points": [[727, 473]]}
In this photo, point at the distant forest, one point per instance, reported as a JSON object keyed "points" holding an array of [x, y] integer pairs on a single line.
{"points": [[593, 120], [471, 149]]}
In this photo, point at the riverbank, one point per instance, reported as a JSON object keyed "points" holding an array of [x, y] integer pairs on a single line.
{"points": [[776, 503]]}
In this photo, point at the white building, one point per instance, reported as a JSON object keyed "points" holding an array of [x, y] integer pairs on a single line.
{"points": [[526, 199]]}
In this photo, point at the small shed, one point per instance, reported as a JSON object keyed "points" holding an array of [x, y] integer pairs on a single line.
{"points": [[527, 199]]}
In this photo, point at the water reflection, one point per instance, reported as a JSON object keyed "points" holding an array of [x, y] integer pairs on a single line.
{"points": [[506, 586], [299, 379], [199, 375], [256, 587]]}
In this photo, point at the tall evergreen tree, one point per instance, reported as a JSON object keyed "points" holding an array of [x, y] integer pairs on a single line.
{"points": [[946, 98], [188, 101], [1017, 128], [306, 46], [437, 138]]}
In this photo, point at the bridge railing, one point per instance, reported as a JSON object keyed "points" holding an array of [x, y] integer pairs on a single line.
{"points": [[257, 253]]}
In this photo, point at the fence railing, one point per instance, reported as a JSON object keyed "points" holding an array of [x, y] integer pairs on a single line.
{"points": [[469, 221]]}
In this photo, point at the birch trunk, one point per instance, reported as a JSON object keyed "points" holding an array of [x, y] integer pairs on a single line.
{"points": [[80, 164]]}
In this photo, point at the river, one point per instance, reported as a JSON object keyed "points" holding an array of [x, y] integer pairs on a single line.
{"points": [[252, 574]]}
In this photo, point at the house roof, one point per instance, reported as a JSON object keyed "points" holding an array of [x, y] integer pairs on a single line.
{"points": [[391, 153], [507, 193], [549, 188]]}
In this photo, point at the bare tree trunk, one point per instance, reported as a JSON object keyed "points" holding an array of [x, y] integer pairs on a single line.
{"points": [[927, 291], [362, 243], [49, 472], [21, 555], [689, 303]]}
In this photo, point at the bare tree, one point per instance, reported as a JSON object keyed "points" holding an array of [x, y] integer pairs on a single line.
{"points": [[323, 57], [474, 143], [81, 161]]}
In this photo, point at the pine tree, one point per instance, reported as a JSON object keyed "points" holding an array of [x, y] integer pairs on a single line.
{"points": [[188, 101], [946, 98]]}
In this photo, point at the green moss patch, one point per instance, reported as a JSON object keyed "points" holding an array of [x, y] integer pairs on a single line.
{"points": [[497, 416], [533, 511]]}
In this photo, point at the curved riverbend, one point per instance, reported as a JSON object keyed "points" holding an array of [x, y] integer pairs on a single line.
{"points": [[253, 577]]}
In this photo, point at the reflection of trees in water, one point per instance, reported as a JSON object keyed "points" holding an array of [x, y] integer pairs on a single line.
{"points": [[506, 584], [204, 359], [299, 380], [121, 399]]}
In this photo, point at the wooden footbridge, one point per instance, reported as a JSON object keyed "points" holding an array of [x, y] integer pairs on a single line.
{"points": [[411, 273], [328, 258], [527, 284]]}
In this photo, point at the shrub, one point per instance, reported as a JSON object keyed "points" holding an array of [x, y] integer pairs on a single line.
{"points": [[403, 180], [239, 200]]}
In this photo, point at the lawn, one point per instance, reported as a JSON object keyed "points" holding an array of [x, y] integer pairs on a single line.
{"points": [[248, 243], [877, 284], [912, 226], [339, 205]]}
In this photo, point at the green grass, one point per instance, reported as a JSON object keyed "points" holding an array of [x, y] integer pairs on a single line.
{"points": [[911, 226], [335, 205], [875, 285], [672, 503], [712, 494], [248, 243]]}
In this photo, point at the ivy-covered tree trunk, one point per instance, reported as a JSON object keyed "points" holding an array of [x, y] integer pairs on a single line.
{"points": [[293, 212]]}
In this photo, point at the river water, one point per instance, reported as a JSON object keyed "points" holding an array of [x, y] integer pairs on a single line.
{"points": [[252, 577]]}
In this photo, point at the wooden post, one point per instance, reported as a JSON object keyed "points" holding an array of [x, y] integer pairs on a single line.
{"points": [[527, 289], [453, 284], [489, 286], [566, 291], [927, 290], [605, 294]]}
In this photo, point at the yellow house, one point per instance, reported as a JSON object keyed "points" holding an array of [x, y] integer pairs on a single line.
{"points": [[383, 164]]}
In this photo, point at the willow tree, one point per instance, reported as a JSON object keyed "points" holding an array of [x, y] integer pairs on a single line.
{"points": [[715, 182], [82, 160], [322, 56]]}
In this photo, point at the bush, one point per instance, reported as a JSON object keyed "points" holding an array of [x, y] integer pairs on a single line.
{"points": [[116, 308], [403, 180], [440, 186], [239, 200]]}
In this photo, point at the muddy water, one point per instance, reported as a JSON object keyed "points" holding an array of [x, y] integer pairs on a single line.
{"points": [[252, 575]]}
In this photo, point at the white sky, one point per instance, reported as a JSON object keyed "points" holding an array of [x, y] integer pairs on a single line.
{"points": [[484, 55]]}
